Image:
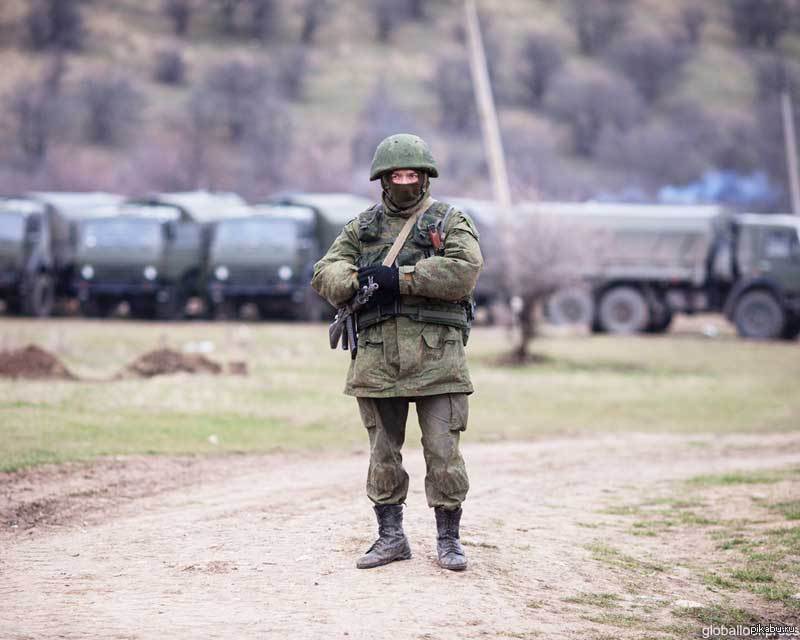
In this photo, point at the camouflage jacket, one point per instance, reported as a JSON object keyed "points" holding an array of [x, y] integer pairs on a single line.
{"points": [[401, 356]]}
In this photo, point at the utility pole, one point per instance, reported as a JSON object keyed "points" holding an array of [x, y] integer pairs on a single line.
{"points": [[790, 140], [490, 127]]}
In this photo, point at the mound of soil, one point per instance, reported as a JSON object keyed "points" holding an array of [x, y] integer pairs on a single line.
{"points": [[166, 361], [33, 362]]}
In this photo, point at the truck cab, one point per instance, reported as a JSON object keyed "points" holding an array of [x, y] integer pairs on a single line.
{"points": [[264, 258], [765, 302], [136, 253], [27, 263], [331, 211]]}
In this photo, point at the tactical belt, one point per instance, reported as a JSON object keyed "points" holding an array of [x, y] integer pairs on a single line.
{"points": [[452, 314]]}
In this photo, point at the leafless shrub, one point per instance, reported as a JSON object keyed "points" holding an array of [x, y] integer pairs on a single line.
{"points": [[264, 19], [170, 68], [380, 117], [658, 152], [761, 23], [111, 105], [313, 12], [180, 14], [232, 94], [590, 102], [453, 87], [597, 22], [290, 67], [652, 61], [541, 59], [227, 12], [547, 255], [387, 15], [35, 110], [55, 24], [266, 150], [693, 18]]}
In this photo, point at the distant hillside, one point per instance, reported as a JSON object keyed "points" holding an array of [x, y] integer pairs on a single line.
{"points": [[598, 98]]}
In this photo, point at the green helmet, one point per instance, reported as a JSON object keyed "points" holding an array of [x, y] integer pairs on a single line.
{"points": [[403, 151]]}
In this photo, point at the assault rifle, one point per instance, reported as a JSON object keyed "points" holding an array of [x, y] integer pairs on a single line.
{"points": [[344, 327]]}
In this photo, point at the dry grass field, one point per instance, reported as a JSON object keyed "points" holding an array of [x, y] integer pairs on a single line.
{"points": [[291, 397]]}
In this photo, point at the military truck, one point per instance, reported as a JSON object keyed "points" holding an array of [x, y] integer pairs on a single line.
{"points": [[148, 252], [29, 256], [65, 211], [643, 264], [491, 287], [264, 258], [330, 212], [147, 256]]}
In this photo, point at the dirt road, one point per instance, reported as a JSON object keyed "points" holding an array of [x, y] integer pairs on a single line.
{"points": [[264, 546]]}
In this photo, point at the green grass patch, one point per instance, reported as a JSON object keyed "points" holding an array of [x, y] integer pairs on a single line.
{"points": [[791, 509], [614, 558], [585, 385], [622, 620], [718, 615], [602, 600], [742, 477], [718, 581], [752, 574]]}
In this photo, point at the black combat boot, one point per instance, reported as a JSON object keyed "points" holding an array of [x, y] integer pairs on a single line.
{"points": [[392, 543], [451, 553]]}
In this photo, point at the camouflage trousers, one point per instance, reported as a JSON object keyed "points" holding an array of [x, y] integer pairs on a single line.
{"points": [[442, 418]]}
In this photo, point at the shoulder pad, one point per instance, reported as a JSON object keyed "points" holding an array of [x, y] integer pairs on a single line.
{"points": [[462, 220]]}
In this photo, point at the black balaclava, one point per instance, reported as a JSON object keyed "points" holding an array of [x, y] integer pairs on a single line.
{"points": [[404, 196]]}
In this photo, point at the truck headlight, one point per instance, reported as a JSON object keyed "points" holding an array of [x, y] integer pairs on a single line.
{"points": [[87, 272], [285, 272], [150, 272], [221, 272]]}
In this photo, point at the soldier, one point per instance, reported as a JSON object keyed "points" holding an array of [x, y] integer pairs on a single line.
{"points": [[411, 339]]}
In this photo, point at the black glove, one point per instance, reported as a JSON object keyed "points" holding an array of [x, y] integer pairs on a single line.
{"points": [[387, 279]]}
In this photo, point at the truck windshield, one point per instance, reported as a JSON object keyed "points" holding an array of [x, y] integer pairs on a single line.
{"points": [[257, 234], [121, 233], [12, 226]]}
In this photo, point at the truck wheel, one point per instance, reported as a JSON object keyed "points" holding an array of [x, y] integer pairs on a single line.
{"points": [[570, 306], [792, 329], [623, 310], [660, 324], [759, 315], [311, 309], [40, 297], [97, 307]]}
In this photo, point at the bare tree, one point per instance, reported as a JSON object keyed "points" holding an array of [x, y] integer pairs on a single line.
{"points": [[180, 13], [453, 87], [761, 22], [313, 10], [290, 68], [227, 10], [387, 14], [548, 256], [111, 106], [591, 101], [652, 61], [694, 18], [597, 22], [657, 152], [542, 58], [35, 108], [234, 92], [264, 18], [170, 67], [55, 24], [379, 118]]}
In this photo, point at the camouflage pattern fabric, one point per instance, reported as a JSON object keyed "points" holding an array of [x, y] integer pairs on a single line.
{"points": [[402, 357], [441, 419]]}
